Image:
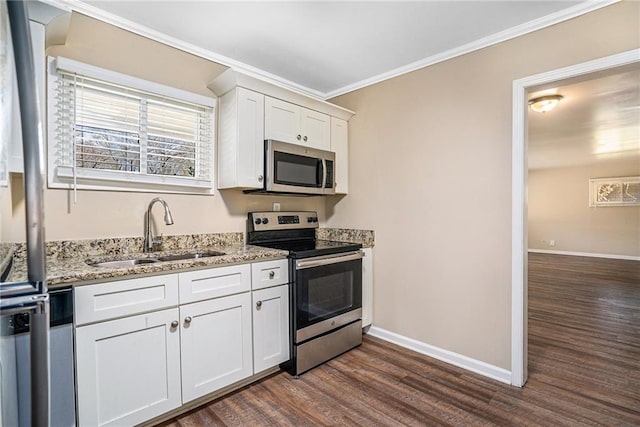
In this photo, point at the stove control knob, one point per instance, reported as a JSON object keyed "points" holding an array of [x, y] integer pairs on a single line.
{"points": [[314, 219], [310, 219], [265, 220], [258, 221]]}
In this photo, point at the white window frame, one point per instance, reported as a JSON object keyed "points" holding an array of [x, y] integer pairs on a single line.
{"points": [[99, 179], [596, 183]]}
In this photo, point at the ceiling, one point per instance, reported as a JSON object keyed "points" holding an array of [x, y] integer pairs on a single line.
{"points": [[598, 120], [326, 48]]}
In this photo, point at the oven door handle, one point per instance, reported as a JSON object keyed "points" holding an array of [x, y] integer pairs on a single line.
{"points": [[327, 260]]}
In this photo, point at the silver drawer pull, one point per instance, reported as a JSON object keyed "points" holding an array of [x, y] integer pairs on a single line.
{"points": [[258, 305], [174, 324], [187, 320], [272, 274]]}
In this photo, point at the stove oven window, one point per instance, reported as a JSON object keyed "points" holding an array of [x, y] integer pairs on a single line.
{"points": [[327, 291], [330, 294]]}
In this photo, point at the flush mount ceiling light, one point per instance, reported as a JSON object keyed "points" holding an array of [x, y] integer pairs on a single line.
{"points": [[542, 104]]}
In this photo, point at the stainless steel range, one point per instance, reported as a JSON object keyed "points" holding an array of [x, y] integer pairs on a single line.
{"points": [[326, 291]]}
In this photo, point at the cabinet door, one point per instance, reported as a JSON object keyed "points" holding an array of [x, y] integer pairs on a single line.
{"points": [[250, 138], [128, 370], [270, 327], [241, 139], [340, 146], [316, 129], [367, 287], [281, 121], [215, 344]]}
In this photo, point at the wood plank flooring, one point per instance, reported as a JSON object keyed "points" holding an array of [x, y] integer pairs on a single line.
{"points": [[584, 368]]}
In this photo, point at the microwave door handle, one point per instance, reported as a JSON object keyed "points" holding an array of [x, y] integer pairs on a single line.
{"points": [[324, 173], [319, 173]]}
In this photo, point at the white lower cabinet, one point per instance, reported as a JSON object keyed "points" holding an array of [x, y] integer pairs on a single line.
{"points": [[367, 287], [216, 344], [128, 370], [145, 346], [270, 327]]}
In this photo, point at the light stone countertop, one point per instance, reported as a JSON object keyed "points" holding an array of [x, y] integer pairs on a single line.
{"points": [[68, 261]]}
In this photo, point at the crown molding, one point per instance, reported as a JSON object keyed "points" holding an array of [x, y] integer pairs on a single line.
{"points": [[510, 33], [513, 32], [125, 24]]}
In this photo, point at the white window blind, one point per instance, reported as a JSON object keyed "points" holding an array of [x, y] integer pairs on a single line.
{"points": [[113, 134]]}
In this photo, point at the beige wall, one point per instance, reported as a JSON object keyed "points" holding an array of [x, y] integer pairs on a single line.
{"points": [[120, 214], [430, 172], [559, 210]]}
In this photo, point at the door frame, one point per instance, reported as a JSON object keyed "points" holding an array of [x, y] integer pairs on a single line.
{"points": [[519, 255]]}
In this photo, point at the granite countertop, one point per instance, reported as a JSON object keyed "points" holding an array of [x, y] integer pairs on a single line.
{"points": [[68, 261], [365, 237]]}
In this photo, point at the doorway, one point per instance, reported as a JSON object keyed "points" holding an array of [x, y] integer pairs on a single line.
{"points": [[519, 260]]}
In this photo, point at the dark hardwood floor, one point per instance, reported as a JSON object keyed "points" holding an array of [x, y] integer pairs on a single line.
{"points": [[584, 368]]}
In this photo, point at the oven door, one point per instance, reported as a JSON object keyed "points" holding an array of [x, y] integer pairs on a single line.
{"points": [[293, 168], [328, 293]]}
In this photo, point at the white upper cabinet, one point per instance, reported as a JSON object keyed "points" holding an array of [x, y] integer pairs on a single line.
{"points": [[241, 139], [340, 146], [252, 110], [291, 123], [282, 121]]}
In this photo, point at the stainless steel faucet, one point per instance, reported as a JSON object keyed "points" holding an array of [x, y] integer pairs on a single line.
{"points": [[151, 242]]}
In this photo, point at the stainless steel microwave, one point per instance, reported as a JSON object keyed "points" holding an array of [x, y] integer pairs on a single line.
{"points": [[296, 169]]}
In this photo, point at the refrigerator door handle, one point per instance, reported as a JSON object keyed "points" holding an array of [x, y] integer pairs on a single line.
{"points": [[32, 146]]}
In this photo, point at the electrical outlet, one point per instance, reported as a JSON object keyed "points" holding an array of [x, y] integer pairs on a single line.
{"points": [[276, 207], [552, 242]]}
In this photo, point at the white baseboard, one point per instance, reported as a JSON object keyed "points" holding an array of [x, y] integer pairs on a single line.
{"points": [[586, 254], [473, 365]]}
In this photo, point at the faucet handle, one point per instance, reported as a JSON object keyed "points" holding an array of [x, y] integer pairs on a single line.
{"points": [[157, 241]]}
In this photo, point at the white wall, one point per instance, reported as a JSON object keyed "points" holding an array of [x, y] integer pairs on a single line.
{"points": [[430, 172], [559, 210]]}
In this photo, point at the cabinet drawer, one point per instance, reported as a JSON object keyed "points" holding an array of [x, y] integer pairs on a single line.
{"points": [[213, 283], [123, 298], [269, 273]]}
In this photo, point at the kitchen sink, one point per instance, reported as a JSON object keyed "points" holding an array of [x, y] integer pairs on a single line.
{"points": [[124, 263], [191, 255], [132, 262]]}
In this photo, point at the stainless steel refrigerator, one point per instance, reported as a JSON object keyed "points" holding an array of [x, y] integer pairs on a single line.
{"points": [[25, 299]]}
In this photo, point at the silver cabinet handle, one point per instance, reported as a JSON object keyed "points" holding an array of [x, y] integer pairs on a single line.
{"points": [[258, 305], [305, 138], [174, 324], [298, 137], [187, 320], [260, 178], [272, 274]]}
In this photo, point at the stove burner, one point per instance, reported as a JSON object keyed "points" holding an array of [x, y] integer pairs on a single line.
{"points": [[293, 232]]}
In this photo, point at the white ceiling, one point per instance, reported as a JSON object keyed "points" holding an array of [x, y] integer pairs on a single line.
{"points": [[598, 120], [327, 48]]}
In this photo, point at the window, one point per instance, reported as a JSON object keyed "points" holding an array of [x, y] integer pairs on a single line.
{"points": [[111, 131], [622, 191]]}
